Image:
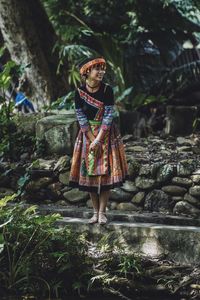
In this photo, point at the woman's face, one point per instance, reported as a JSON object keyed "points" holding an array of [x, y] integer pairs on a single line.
{"points": [[97, 72]]}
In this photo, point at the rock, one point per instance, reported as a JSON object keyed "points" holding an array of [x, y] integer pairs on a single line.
{"points": [[55, 188], [145, 170], [156, 141], [38, 184], [184, 149], [151, 247], [165, 173], [129, 187], [182, 181], [192, 200], [5, 192], [144, 183], [58, 132], [127, 137], [186, 209], [165, 153], [155, 167], [48, 201], [118, 194], [38, 173], [89, 203], [113, 205], [196, 149], [62, 164], [128, 206], [183, 141], [64, 177], [195, 178], [76, 196], [177, 198], [26, 122], [195, 190], [46, 164], [133, 167], [186, 167], [24, 156], [158, 200], [196, 172], [62, 202], [37, 195], [66, 189], [138, 199], [174, 190], [137, 149]]}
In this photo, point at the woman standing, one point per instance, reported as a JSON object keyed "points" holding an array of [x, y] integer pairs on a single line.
{"points": [[98, 162]]}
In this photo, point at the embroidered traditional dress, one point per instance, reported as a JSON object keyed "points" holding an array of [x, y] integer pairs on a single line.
{"points": [[90, 172]]}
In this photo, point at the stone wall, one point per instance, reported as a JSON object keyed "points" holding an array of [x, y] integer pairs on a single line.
{"points": [[58, 132], [164, 177]]}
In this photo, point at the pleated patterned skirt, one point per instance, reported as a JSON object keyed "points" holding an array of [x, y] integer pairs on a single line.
{"points": [[96, 174]]}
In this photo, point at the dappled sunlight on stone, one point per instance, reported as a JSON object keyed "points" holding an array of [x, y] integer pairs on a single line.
{"points": [[151, 247]]}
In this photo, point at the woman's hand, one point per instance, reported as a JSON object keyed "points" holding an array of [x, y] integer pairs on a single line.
{"points": [[96, 146], [90, 136]]}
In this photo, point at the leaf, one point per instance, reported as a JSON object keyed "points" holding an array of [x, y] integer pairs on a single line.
{"points": [[2, 225], [23, 179], [125, 93], [4, 200], [30, 209]]}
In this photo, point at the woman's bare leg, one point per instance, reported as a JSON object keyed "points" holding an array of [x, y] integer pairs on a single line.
{"points": [[103, 200], [95, 201]]}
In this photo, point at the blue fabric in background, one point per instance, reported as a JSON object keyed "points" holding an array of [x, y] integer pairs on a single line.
{"points": [[21, 99]]}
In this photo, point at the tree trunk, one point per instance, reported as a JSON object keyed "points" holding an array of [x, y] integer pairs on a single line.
{"points": [[30, 38]]}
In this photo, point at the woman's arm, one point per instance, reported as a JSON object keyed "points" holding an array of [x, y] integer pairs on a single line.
{"points": [[106, 122], [81, 117], [108, 115], [90, 135]]}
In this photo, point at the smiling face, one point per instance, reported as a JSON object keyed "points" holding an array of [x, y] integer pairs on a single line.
{"points": [[97, 72]]}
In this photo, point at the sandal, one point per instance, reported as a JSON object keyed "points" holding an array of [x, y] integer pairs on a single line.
{"points": [[102, 218], [94, 218]]}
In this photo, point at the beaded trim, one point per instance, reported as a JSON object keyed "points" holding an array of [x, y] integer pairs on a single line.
{"points": [[91, 63]]}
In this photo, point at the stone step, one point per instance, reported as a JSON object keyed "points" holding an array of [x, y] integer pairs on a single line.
{"points": [[178, 243], [123, 216], [151, 234]]}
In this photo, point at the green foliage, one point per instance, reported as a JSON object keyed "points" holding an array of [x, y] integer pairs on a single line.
{"points": [[195, 124], [81, 39], [66, 101], [22, 181], [73, 54], [5, 106], [183, 15], [187, 8], [41, 145], [117, 266], [12, 142], [33, 250]]}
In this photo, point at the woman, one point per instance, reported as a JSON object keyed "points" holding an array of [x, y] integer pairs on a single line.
{"points": [[98, 163]]}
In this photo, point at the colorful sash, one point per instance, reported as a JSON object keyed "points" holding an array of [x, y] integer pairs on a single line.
{"points": [[97, 165]]}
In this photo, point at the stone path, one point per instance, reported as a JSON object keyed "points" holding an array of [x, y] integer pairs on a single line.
{"points": [[151, 234]]}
